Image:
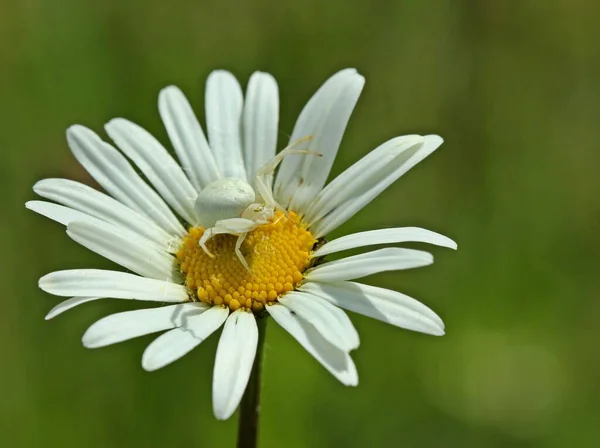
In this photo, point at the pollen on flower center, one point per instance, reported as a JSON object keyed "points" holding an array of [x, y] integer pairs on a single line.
{"points": [[277, 253]]}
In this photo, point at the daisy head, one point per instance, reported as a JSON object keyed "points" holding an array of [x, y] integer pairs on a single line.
{"points": [[234, 232]]}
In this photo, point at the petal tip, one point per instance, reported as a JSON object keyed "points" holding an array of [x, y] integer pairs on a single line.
{"points": [[88, 339], [433, 137], [43, 282], [264, 75], [220, 72], [432, 142], [147, 365], [170, 88], [439, 329], [221, 75], [352, 381], [222, 413], [75, 129], [113, 123], [221, 417], [38, 186], [167, 93]]}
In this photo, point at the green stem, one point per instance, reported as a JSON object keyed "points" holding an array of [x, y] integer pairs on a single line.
{"points": [[250, 406]]}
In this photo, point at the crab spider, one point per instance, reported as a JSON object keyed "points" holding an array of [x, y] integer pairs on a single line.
{"points": [[229, 205]]}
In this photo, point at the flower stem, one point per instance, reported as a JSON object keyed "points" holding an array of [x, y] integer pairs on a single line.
{"points": [[250, 406]]}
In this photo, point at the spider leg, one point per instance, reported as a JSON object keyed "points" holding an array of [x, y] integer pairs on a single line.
{"points": [[207, 235], [261, 179], [233, 226], [238, 252]]}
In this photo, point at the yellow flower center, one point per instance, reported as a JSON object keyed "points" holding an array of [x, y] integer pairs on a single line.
{"points": [[277, 253]]}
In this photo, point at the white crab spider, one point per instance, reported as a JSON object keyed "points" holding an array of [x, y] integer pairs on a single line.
{"points": [[230, 205]]}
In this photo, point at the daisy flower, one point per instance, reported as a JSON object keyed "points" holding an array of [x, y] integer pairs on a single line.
{"points": [[217, 240]]}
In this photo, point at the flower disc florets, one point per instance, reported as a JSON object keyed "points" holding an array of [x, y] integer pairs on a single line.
{"points": [[277, 253]]}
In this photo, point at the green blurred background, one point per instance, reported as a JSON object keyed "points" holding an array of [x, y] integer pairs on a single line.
{"points": [[512, 86]]}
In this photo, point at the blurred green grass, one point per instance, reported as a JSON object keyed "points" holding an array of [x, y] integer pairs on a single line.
{"points": [[511, 86]]}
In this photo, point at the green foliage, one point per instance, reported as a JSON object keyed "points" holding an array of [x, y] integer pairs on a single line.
{"points": [[514, 89]]}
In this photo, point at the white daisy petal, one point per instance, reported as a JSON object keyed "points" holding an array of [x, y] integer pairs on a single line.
{"points": [[363, 175], [124, 248], [156, 164], [260, 122], [224, 103], [59, 213], [324, 118], [336, 361], [384, 236], [357, 266], [180, 341], [99, 205], [380, 182], [187, 137], [333, 324], [234, 361], [68, 304], [308, 118], [114, 284], [379, 303], [132, 324], [67, 216], [112, 170]]}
